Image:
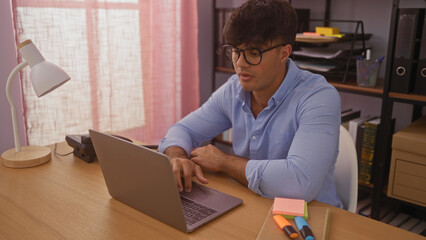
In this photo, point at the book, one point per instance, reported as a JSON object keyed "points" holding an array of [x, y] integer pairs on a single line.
{"points": [[289, 206], [354, 123], [356, 130], [319, 221], [347, 116], [367, 152]]}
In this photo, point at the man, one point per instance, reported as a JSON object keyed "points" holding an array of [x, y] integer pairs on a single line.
{"points": [[285, 121]]}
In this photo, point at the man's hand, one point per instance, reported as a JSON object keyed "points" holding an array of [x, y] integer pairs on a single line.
{"points": [[183, 167], [211, 158]]}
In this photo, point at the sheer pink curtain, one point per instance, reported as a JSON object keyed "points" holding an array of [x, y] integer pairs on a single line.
{"points": [[134, 66]]}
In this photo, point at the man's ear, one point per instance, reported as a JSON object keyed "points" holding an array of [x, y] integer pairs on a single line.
{"points": [[285, 52]]}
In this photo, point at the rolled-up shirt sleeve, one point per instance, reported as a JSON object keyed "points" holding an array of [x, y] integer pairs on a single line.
{"points": [[202, 125]]}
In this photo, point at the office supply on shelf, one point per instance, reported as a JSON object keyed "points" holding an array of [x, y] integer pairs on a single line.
{"points": [[288, 206], [317, 52], [354, 123], [367, 71], [345, 117], [368, 150], [284, 225], [300, 37], [304, 228], [356, 130], [327, 30], [420, 83], [45, 77], [368, 54], [143, 179], [314, 66], [406, 49], [319, 221]]}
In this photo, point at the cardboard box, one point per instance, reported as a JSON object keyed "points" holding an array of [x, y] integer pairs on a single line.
{"points": [[407, 175]]}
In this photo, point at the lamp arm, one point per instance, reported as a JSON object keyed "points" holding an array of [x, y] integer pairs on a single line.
{"points": [[12, 104]]}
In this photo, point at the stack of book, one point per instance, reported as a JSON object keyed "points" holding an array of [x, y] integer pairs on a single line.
{"points": [[363, 130]]}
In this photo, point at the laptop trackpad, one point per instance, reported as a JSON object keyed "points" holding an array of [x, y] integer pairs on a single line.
{"points": [[211, 198]]}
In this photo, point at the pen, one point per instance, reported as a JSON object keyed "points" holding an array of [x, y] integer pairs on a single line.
{"points": [[304, 228], [285, 226]]}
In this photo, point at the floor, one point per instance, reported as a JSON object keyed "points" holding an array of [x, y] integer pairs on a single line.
{"points": [[406, 216]]}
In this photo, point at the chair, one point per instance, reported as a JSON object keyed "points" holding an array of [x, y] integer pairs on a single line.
{"points": [[346, 171]]}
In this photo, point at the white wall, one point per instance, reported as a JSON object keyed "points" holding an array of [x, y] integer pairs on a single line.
{"points": [[8, 60]]}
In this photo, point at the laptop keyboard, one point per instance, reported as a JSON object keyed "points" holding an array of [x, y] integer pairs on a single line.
{"points": [[193, 211]]}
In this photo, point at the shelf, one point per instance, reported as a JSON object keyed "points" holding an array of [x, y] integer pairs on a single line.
{"points": [[350, 86], [408, 98], [321, 39], [366, 186]]}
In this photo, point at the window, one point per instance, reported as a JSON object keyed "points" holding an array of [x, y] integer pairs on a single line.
{"points": [[126, 59]]}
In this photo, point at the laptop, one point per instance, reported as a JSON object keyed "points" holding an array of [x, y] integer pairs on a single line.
{"points": [[143, 179]]}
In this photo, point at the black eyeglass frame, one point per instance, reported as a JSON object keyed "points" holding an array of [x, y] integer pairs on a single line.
{"points": [[244, 52]]}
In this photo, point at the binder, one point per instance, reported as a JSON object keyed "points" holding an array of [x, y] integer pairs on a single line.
{"points": [[420, 84], [406, 49]]}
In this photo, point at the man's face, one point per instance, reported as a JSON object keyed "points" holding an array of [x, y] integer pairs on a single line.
{"points": [[266, 76]]}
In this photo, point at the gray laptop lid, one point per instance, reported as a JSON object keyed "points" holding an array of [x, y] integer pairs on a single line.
{"points": [[143, 179]]}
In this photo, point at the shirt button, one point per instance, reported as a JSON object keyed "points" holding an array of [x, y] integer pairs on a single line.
{"points": [[254, 137]]}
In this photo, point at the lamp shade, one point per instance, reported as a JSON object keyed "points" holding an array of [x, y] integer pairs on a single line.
{"points": [[45, 76]]}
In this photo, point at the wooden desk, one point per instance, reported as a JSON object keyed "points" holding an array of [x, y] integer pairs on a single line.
{"points": [[66, 198]]}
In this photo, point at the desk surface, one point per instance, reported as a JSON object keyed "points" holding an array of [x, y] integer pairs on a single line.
{"points": [[67, 198]]}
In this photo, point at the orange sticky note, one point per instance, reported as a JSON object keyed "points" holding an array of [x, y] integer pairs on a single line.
{"points": [[289, 206]]}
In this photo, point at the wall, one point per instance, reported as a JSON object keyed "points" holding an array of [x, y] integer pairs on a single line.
{"points": [[8, 60], [205, 48]]}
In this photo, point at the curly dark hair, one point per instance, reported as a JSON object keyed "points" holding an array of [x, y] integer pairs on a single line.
{"points": [[257, 22]]}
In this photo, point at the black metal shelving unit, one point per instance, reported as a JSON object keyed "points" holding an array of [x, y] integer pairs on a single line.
{"points": [[385, 130]]}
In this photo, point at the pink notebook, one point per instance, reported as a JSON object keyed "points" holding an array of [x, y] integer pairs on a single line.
{"points": [[289, 206]]}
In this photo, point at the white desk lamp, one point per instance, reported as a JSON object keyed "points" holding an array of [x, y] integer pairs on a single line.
{"points": [[45, 77]]}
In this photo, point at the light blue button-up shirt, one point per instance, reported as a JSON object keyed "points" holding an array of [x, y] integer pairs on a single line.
{"points": [[292, 145]]}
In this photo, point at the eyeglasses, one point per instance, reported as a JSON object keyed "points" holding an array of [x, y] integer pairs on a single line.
{"points": [[253, 56]]}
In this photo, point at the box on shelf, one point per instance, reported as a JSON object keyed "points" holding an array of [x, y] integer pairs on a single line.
{"points": [[407, 176]]}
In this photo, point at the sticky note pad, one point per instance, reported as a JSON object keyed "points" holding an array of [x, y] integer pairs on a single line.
{"points": [[289, 206], [304, 216]]}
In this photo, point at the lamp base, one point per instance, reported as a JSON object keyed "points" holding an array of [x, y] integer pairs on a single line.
{"points": [[29, 156]]}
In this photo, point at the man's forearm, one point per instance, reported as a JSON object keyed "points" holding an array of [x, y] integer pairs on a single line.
{"points": [[235, 167]]}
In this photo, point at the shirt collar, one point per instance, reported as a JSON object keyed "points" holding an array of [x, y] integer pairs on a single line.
{"points": [[287, 85]]}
